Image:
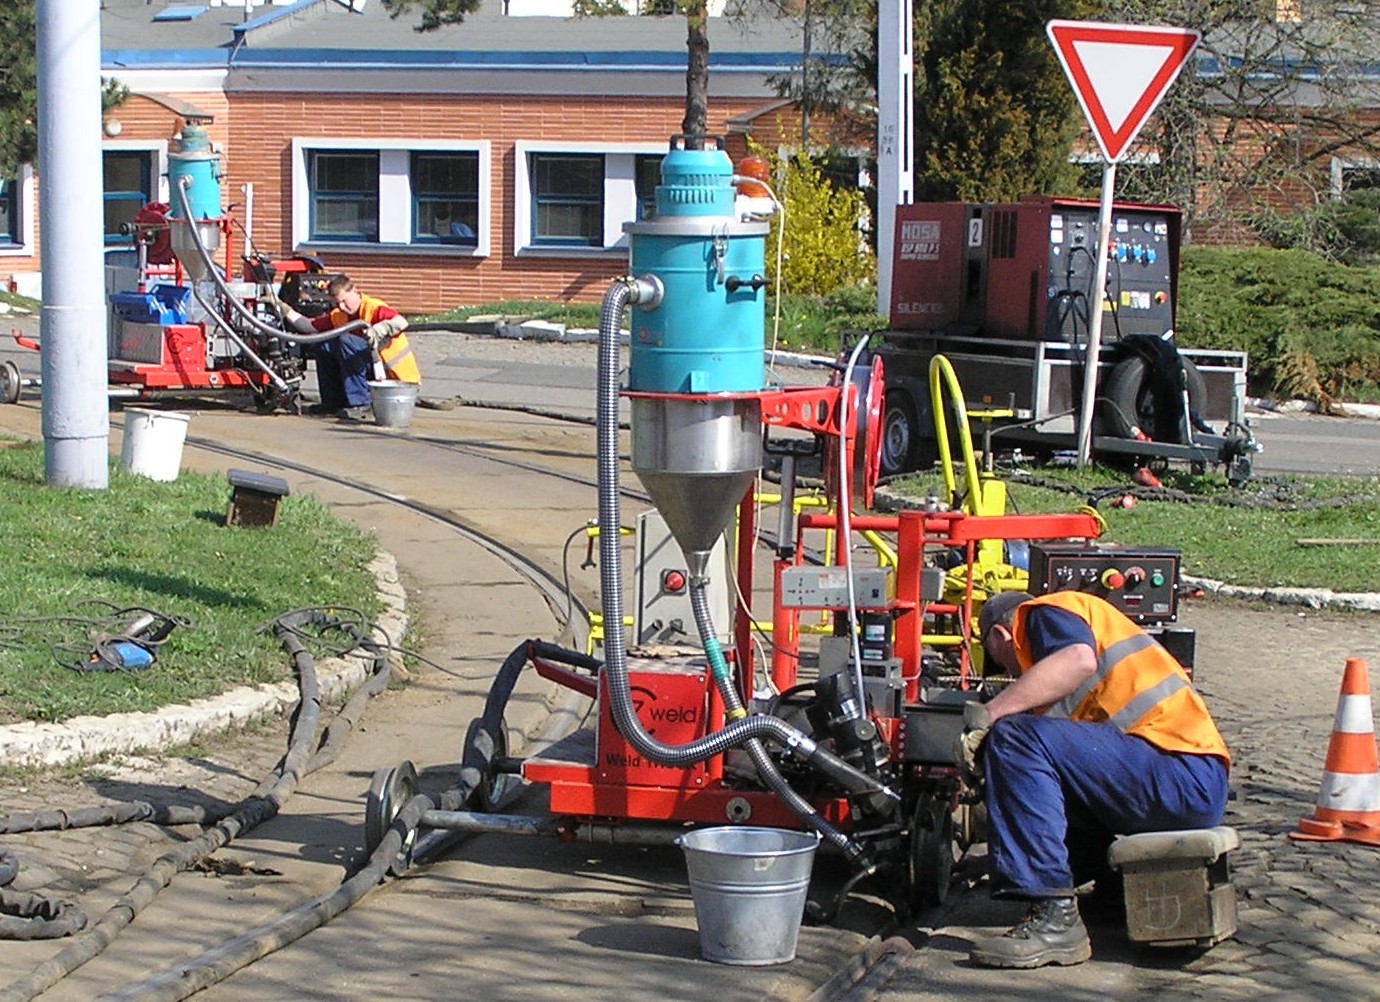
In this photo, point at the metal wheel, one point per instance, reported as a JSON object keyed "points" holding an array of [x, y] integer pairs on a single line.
{"points": [[932, 856], [10, 382], [494, 785], [900, 435], [389, 792]]}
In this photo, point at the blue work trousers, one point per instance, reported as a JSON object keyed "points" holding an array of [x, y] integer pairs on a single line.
{"points": [[1053, 783], [344, 366]]}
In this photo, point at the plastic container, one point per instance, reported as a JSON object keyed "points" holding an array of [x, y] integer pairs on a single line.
{"points": [[153, 441], [393, 402], [750, 886]]}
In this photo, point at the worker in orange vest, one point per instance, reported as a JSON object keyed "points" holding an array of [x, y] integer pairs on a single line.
{"points": [[1100, 734], [344, 365]]}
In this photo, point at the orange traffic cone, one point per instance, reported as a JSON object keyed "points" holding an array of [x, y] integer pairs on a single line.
{"points": [[1349, 801]]}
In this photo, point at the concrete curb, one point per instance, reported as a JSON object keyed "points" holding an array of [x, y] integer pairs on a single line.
{"points": [[84, 738], [1312, 598]]}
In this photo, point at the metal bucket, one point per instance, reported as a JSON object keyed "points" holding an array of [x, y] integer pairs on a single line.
{"points": [[393, 402], [749, 886]]}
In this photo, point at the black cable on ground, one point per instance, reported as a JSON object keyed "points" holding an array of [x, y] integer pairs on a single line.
{"points": [[26, 916], [248, 814]]}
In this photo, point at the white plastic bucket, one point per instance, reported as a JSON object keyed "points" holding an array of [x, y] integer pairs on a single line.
{"points": [[750, 886], [393, 402], [153, 441]]}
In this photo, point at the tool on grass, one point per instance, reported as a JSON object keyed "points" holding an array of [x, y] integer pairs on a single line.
{"points": [[132, 650]]}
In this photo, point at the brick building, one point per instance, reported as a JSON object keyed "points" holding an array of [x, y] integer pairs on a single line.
{"points": [[494, 159]]}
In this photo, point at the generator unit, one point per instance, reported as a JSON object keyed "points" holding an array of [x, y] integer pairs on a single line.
{"points": [[1005, 292]]}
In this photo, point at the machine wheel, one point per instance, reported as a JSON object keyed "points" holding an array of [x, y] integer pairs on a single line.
{"points": [[1127, 397], [932, 856], [902, 447], [389, 793], [494, 785], [10, 382]]}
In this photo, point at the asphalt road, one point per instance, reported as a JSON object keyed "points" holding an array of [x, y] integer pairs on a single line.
{"points": [[560, 376]]}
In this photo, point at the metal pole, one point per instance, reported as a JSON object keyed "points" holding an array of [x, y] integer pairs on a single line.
{"points": [[895, 127], [73, 354], [1096, 299]]}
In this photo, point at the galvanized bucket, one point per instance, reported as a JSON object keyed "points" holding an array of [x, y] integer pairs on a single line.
{"points": [[393, 402], [750, 887]]}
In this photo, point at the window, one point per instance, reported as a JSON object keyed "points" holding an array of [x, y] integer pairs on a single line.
{"points": [[648, 175], [1353, 175], [129, 176], [445, 198], [344, 195], [10, 234], [400, 195], [579, 195], [568, 199]]}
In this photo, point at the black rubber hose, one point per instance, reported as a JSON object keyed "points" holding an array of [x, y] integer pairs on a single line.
{"points": [[249, 814], [25, 916]]}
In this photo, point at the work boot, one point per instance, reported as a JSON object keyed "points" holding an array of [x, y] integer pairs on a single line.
{"points": [[354, 413], [1050, 933]]}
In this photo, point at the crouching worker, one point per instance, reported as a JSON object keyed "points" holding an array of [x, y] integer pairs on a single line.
{"points": [[1100, 734], [344, 365]]}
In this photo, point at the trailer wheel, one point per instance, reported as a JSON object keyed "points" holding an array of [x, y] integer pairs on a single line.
{"points": [[902, 449], [1126, 401], [389, 793], [10, 382]]}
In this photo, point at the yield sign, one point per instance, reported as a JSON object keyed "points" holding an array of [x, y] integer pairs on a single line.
{"points": [[1119, 73]]}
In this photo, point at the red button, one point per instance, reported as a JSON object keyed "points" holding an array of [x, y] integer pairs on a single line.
{"points": [[1112, 579], [673, 582]]}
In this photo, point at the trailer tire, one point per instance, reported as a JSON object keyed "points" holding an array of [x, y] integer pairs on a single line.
{"points": [[1126, 400], [902, 448], [11, 385]]}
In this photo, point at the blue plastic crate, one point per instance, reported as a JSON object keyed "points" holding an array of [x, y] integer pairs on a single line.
{"points": [[163, 304]]}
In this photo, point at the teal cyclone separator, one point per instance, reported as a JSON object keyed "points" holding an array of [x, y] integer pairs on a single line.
{"points": [[706, 335], [196, 160]]}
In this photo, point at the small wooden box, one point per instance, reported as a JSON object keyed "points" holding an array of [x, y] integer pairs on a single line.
{"points": [[254, 498], [1178, 885]]}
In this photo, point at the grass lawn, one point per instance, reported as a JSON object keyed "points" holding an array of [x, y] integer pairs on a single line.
{"points": [[1249, 536], [79, 557]]}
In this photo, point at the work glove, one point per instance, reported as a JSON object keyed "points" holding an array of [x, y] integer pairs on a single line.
{"points": [[968, 746], [285, 311], [384, 331]]}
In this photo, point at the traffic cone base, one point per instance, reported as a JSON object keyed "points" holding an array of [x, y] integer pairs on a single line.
{"points": [[1348, 808]]}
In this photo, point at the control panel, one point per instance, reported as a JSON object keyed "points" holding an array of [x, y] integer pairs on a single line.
{"points": [[663, 613], [827, 588], [1141, 582]]}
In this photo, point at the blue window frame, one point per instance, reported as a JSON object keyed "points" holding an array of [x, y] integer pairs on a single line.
{"points": [[128, 188], [567, 199], [9, 212], [445, 198], [344, 195]]}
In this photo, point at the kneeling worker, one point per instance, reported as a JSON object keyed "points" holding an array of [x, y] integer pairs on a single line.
{"points": [[344, 365], [1100, 734]]}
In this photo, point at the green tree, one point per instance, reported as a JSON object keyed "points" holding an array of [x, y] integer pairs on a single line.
{"points": [[18, 86], [995, 118]]}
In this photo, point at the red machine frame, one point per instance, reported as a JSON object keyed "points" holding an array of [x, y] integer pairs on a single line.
{"points": [[594, 780]]}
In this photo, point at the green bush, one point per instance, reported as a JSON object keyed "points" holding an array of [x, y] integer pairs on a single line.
{"points": [[824, 247], [1311, 327]]}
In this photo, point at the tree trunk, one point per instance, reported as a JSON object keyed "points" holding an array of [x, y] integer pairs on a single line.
{"points": [[696, 122]]}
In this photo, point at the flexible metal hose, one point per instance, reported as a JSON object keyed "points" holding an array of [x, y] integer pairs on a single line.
{"points": [[267, 330]]}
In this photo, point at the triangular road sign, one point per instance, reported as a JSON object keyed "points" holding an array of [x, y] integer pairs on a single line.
{"points": [[1119, 73]]}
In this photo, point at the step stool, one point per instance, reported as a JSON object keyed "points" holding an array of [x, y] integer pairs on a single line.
{"points": [[254, 498], [1178, 885]]}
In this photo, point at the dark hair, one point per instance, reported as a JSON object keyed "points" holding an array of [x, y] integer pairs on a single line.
{"points": [[1000, 609]]}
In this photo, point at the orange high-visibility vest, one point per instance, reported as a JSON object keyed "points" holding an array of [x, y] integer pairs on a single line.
{"points": [[1138, 686], [396, 353]]}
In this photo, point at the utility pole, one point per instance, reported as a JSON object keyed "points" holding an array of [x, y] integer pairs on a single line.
{"points": [[72, 327], [895, 131]]}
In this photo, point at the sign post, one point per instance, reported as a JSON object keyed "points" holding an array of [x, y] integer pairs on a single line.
{"points": [[1119, 73]]}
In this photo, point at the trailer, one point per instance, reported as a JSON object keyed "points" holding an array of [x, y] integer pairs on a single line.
{"points": [[1004, 291]]}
